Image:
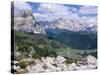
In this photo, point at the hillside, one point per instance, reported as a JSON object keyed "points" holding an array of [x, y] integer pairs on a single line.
{"points": [[39, 45]]}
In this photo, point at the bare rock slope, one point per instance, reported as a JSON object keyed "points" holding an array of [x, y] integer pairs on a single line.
{"points": [[56, 64], [24, 19]]}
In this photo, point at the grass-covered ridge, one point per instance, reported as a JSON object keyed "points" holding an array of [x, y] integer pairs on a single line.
{"points": [[42, 45]]}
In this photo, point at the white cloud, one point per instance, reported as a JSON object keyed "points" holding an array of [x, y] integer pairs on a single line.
{"points": [[51, 12], [73, 9], [45, 17], [56, 11], [41, 17], [89, 20], [53, 7], [20, 5], [88, 10]]}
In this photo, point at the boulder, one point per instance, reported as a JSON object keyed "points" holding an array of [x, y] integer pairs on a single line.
{"points": [[47, 60], [91, 60], [88, 63], [52, 64], [63, 67], [60, 59], [36, 68], [17, 54], [72, 66]]}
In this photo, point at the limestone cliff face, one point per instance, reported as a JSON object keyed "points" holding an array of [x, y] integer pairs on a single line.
{"points": [[24, 19], [71, 25]]}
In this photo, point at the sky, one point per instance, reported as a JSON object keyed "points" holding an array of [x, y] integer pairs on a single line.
{"points": [[50, 12]]}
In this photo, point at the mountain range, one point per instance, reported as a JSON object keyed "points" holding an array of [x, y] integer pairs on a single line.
{"points": [[71, 38], [72, 32], [70, 24], [24, 20]]}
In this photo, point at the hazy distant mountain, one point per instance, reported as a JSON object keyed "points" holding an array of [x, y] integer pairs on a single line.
{"points": [[70, 24]]}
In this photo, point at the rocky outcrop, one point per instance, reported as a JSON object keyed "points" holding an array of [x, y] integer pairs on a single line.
{"points": [[52, 64], [24, 19], [87, 63], [49, 64]]}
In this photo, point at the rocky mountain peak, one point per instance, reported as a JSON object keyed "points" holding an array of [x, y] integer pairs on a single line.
{"points": [[24, 19], [71, 25]]}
